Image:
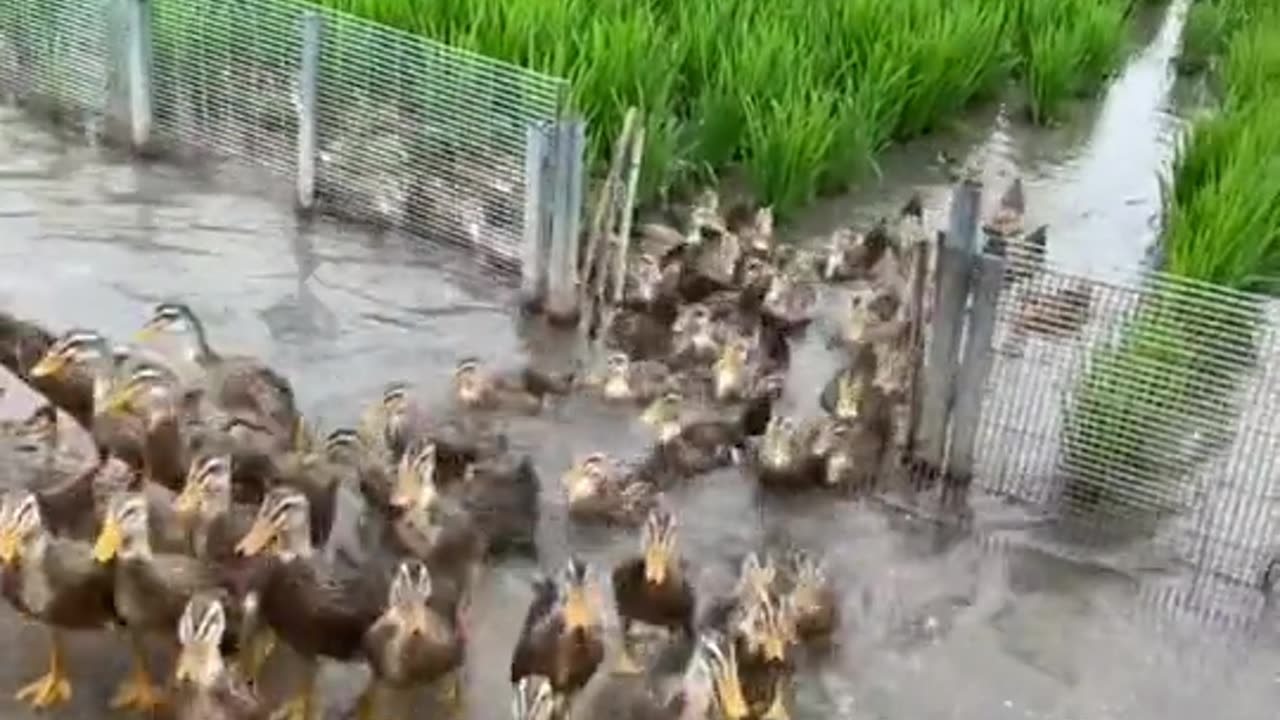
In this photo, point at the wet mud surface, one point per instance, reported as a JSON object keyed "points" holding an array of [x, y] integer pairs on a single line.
{"points": [[937, 624]]}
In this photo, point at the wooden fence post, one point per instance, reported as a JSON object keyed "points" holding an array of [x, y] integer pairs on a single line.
{"points": [[955, 259], [975, 366], [533, 263], [138, 62], [566, 217], [308, 89]]}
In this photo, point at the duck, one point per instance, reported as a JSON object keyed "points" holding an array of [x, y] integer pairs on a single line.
{"points": [[318, 609], [762, 640], [599, 491], [55, 581], [1026, 255], [783, 456], [842, 396], [22, 346], [652, 588], [477, 388], [814, 609], [757, 576], [562, 635], [873, 317], [852, 449], [641, 335], [1008, 218], [695, 337], [146, 394], [756, 232], [206, 686], [791, 300], [415, 642], [238, 383], [150, 590], [844, 256], [89, 352], [708, 687], [689, 443], [651, 288], [630, 381], [215, 523], [393, 421]]}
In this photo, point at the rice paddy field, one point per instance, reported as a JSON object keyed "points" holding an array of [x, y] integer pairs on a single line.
{"points": [[1221, 226], [796, 97]]}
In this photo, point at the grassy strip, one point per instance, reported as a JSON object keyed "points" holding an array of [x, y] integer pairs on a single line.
{"points": [[799, 96], [1152, 408]]}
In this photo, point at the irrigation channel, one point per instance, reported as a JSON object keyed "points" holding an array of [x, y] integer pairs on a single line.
{"points": [[937, 624]]}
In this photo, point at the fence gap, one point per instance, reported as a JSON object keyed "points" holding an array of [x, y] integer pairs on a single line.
{"points": [[308, 88], [138, 59], [956, 250]]}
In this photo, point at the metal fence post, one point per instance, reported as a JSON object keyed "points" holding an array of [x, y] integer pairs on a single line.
{"points": [[533, 261], [562, 275], [308, 84], [138, 57], [971, 384], [956, 252]]}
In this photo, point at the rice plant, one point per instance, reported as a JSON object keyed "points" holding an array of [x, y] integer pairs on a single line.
{"points": [[1172, 376], [1067, 49], [798, 96]]}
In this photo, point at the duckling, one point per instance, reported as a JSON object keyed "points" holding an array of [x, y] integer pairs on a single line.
{"points": [[113, 432], [756, 577], [843, 259], [477, 389], [791, 300], [695, 339], [598, 491], [652, 588], [151, 589], [641, 335], [873, 317], [1008, 218], [709, 687], [239, 383], [651, 288], [813, 604], [53, 580], [22, 345], [533, 699], [562, 636], [207, 688], [688, 445], [319, 609], [842, 396], [852, 449], [631, 381], [415, 642], [392, 422], [731, 376], [783, 459], [205, 504], [762, 639], [501, 494], [757, 236], [714, 268], [433, 527]]}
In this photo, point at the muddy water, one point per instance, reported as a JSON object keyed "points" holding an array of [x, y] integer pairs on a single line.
{"points": [[936, 625], [1092, 178]]}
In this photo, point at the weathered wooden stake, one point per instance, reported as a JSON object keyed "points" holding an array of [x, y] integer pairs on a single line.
{"points": [[308, 89], [956, 253], [138, 57], [628, 215], [987, 281], [537, 235], [562, 275]]}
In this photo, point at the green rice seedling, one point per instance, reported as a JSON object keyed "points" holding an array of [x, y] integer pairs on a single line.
{"points": [[788, 139], [1068, 48]]}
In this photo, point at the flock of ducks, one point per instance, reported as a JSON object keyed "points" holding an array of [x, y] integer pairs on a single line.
{"points": [[202, 517]]}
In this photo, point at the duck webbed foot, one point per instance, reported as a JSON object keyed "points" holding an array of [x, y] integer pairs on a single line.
{"points": [[138, 691], [52, 688]]}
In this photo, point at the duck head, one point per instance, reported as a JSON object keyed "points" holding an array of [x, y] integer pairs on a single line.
{"points": [[617, 377], [534, 699], [717, 660], [767, 628], [585, 478], [408, 597], [22, 530], [762, 232], [147, 386], [645, 276], [658, 545], [755, 578], [810, 583], [416, 478], [469, 382], [200, 631], [731, 368], [840, 251], [180, 320], [663, 415], [207, 490], [579, 607], [124, 531], [777, 446], [849, 392], [283, 524], [343, 445], [72, 347], [395, 412]]}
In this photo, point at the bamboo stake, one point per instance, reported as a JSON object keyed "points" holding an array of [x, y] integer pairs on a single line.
{"points": [[594, 260], [628, 215]]}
